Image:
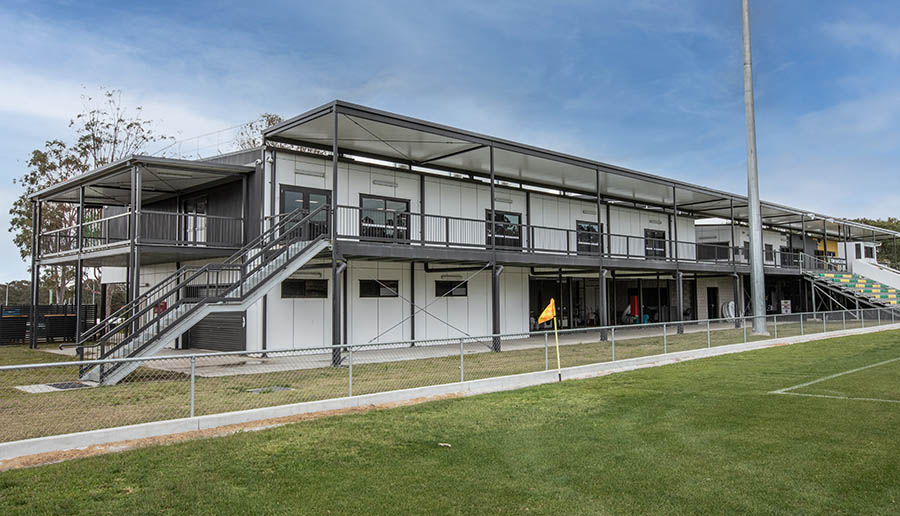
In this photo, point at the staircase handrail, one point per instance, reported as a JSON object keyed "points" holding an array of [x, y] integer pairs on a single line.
{"points": [[122, 325], [129, 307]]}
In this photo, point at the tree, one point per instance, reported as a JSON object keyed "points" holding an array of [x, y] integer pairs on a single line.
{"points": [[104, 132], [250, 134], [887, 251]]}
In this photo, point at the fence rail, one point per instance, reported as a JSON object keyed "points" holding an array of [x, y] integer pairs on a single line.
{"points": [[48, 398]]}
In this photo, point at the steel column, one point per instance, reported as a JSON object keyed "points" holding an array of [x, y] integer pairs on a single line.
{"points": [[495, 269], [602, 309], [679, 289], [35, 270], [336, 268]]}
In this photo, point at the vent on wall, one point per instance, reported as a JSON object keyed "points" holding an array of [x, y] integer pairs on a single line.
{"points": [[380, 182]]}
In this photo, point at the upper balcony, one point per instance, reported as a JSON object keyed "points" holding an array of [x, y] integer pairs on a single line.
{"points": [[376, 232], [173, 209]]}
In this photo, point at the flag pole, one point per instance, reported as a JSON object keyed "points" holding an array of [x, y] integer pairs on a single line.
{"points": [[556, 335]]}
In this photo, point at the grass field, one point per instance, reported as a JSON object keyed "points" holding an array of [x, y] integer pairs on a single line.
{"points": [[152, 394], [705, 436]]}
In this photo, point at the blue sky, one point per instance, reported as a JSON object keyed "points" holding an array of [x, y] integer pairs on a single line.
{"points": [[653, 85]]}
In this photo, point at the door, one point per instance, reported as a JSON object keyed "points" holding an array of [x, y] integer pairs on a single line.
{"points": [[307, 200], [195, 210], [712, 302]]}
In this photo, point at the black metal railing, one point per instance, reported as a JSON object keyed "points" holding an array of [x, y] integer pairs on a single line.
{"points": [[158, 227], [136, 325]]}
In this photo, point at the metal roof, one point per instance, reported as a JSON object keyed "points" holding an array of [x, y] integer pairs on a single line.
{"points": [[164, 177], [380, 134]]}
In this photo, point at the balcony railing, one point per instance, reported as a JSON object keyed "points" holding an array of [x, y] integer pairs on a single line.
{"points": [[157, 227], [407, 228]]}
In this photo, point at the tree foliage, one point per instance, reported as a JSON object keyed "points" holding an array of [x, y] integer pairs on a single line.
{"points": [[104, 131], [250, 134]]}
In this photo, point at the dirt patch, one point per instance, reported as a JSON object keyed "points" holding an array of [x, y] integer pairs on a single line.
{"points": [[41, 459]]}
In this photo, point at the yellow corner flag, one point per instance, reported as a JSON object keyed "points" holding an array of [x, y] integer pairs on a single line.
{"points": [[546, 315]]}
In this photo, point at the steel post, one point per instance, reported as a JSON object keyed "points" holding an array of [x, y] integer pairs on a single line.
{"points": [[193, 376], [350, 370]]}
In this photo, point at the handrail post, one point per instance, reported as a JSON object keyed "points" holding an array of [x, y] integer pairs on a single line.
{"points": [[193, 375], [613, 340], [665, 342], [462, 367]]}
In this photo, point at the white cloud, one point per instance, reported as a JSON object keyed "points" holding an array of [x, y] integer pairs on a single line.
{"points": [[872, 35]]}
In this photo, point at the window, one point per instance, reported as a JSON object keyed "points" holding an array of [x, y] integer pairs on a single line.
{"points": [[384, 218], [195, 218], [508, 228], [307, 200], [870, 251], [379, 288], [587, 235], [745, 250], [304, 288], [714, 251], [859, 251], [654, 243], [769, 253], [451, 289]]}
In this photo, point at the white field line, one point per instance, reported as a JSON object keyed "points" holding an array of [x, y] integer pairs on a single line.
{"points": [[834, 397], [787, 390]]}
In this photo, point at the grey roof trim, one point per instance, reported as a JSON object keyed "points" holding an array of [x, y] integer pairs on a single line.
{"points": [[123, 164]]}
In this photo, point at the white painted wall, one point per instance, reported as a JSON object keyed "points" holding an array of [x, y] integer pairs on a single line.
{"points": [[726, 295], [711, 234], [306, 323]]}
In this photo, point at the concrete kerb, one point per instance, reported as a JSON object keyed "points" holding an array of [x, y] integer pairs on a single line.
{"points": [[107, 436]]}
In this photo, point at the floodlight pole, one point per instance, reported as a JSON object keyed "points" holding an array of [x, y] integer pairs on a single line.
{"points": [[757, 285]]}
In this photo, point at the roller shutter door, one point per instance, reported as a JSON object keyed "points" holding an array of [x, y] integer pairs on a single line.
{"points": [[219, 332]]}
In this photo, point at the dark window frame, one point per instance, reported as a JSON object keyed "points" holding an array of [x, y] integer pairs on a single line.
{"points": [[305, 292], [510, 234], [372, 230], [713, 251], [654, 243], [593, 244], [859, 251], [769, 253], [312, 228], [384, 288], [451, 288], [869, 251]]}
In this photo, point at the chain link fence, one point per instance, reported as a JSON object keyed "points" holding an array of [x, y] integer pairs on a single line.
{"points": [[49, 399]]}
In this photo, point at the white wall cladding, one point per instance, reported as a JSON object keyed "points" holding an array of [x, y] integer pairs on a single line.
{"points": [[306, 323], [726, 295], [450, 197], [714, 233]]}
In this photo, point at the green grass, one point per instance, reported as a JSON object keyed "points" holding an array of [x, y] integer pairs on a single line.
{"points": [[696, 437], [876, 383], [152, 394]]}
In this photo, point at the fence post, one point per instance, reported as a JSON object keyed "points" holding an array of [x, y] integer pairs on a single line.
{"points": [[879, 316], [546, 356], [844, 319], [665, 341], [613, 340], [708, 340], [801, 324], [462, 369], [862, 318], [351, 370], [193, 367], [824, 324], [744, 327]]}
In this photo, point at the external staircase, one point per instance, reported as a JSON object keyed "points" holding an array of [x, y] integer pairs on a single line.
{"points": [[170, 308]]}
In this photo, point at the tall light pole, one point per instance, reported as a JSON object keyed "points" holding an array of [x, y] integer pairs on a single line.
{"points": [[757, 281]]}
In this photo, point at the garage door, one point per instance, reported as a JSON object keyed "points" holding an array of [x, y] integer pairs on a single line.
{"points": [[220, 332]]}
